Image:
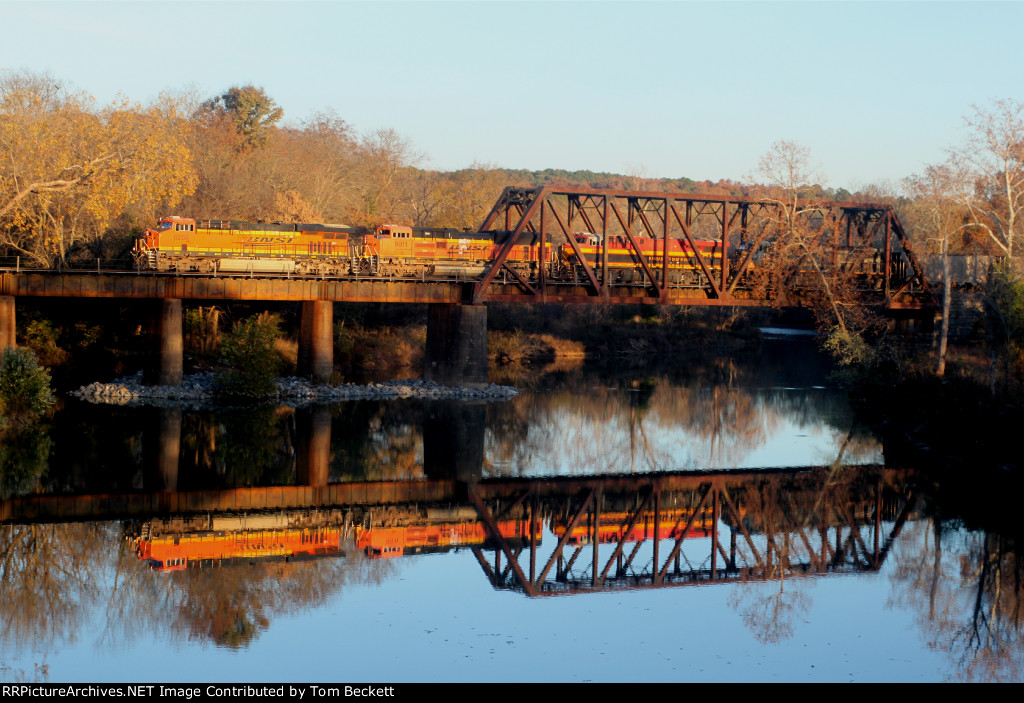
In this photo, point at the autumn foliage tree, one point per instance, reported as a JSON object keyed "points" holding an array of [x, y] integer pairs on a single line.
{"points": [[248, 109], [68, 169]]}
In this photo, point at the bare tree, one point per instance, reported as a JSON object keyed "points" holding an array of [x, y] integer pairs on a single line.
{"points": [[385, 153], [992, 162], [801, 240], [938, 201]]}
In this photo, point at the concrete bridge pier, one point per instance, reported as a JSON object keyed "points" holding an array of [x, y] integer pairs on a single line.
{"points": [[316, 340], [456, 353], [313, 451], [166, 362], [161, 449], [6, 322]]}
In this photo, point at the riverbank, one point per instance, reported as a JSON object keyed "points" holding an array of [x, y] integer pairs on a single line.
{"points": [[201, 389], [955, 423]]}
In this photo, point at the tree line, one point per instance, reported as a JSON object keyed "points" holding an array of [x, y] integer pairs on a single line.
{"points": [[77, 178], [81, 180]]}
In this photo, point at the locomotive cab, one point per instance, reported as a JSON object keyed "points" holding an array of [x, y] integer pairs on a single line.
{"points": [[175, 224], [395, 231]]}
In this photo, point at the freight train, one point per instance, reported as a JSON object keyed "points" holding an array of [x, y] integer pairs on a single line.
{"points": [[185, 245]]}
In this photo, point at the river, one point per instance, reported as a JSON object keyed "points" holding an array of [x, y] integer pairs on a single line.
{"points": [[711, 518]]}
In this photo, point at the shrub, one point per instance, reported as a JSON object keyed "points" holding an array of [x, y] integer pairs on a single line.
{"points": [[378, 352], [250, 349], [202, 330], [41, 338], [519, 348], [24, 386], [848, 348]]}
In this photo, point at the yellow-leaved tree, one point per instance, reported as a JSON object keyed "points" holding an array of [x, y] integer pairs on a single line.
{"points": [[68, 169]]}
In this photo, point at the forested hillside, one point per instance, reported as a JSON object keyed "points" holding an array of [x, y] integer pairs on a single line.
{"points": [[81, 180]]}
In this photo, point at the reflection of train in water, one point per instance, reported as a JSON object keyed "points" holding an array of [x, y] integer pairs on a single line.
{"points": [[185, 245], [202, 549], [385, 542], [613, 526]]}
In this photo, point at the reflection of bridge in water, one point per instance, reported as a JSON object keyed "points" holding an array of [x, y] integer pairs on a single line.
{"points": [[682, 530], [614, 532]]}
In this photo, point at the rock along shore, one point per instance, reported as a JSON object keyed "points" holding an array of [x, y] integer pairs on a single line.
{"points": [[199, 389]]}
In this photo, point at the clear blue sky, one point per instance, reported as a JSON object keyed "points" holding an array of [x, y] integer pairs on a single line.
{"points": [[876, 90]]}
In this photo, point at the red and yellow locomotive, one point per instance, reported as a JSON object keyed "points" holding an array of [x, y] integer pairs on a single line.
{"points": [[624, 265], [614, 527], [388, 542]]}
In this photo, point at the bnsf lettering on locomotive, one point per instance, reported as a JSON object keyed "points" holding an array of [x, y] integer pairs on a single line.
{"points": [[268, 239]]}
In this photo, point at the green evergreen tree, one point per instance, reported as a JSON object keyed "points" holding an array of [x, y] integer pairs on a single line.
{"points": [[25, 391], [249, 349]]}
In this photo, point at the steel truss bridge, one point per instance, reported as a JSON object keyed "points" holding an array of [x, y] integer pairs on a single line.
{"points": [[852, 238]]}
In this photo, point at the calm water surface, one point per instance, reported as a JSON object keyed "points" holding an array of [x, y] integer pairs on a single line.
{"points": [[743, 527]]}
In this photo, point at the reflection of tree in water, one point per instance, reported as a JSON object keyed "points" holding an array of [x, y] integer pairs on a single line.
{"points": [[771, 607], [651, 424], [374, 440], [233, 605], [24, 459], [96, 449], [51, 576], [370, 440], [245, 446], [965, 587]]}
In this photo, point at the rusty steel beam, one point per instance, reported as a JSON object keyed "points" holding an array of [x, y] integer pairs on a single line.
{"points": [[94, 506], [630, 526], [488, 519], [671, 299], [660, 572], [221, 288], [636, 249], [696, 252], [560, 547]]}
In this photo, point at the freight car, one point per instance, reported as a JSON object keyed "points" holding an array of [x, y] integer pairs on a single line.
{"points": [[185, 245]]}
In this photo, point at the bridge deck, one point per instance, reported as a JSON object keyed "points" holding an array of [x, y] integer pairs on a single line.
{"points": [[142, 286]]}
